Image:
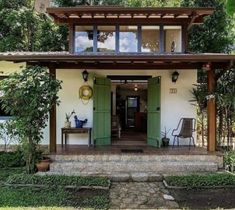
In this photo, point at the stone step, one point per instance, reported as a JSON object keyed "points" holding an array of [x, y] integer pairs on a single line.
{"points": [[113, 167], [138, 158]]}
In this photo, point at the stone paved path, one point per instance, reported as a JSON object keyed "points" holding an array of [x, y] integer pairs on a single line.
{"points": [[140, 195]]}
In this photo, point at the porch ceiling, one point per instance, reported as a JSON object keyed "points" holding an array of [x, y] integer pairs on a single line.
{"points": [[63, 60], [110, 15]]}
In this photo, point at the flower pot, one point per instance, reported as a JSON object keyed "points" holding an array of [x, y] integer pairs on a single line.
{"points": [[165, 142], [42, 166], [67, 124]]}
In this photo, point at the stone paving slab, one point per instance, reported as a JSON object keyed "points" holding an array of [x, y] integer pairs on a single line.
{"points": [[140, 195]]}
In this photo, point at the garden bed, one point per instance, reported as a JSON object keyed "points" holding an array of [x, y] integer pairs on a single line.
{"points": [[213, 180], [54, 192], [58, 180]]}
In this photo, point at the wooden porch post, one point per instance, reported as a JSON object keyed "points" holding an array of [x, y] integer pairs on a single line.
{"points": [[52, 124], [211, 112]]}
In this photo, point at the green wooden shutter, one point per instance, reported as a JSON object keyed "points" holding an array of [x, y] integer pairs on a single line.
{"points": [[102, 111], [154, 112]]}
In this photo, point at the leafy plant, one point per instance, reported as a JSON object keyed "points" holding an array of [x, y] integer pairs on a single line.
{"points": [[197, 181], [58, 180], [229, 160], [8, 134], [29, 96], [69, 115], [165, 132], [11, 159]]}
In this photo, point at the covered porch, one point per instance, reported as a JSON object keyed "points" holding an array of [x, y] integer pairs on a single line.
{"points": [[151, 61]]}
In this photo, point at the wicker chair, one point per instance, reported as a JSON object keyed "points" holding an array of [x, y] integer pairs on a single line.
{"points": [[185, 129]]}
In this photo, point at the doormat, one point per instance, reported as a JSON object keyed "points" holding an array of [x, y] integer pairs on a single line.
{"points": [[132, 150]]}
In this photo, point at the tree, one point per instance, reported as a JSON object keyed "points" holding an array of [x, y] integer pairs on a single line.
{"points": [[29, 96], [230, 7], [215, 35], [72, 3], [22, 29], [153, 3]]}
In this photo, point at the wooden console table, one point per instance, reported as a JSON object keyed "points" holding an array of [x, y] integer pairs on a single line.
{"points": [[66, 131]]}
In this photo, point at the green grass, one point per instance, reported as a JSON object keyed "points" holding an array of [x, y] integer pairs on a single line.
{"points": [[55, 180], [197, 181], [5, 173], [51, 197]]}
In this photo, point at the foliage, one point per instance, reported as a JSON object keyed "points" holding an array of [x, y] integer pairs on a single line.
{"points": [[199, 93], [6, 172], [32, 197], [8, 134], [11, 159], [22, 29], [36, 197], [165, 132], [215, 34], [225, 98], [153, 3], [56, 197], [68, 115], [230, 7], [52, 37], [29, 96], [72, 3], [197, 181], [229, 160], [55, 180]]}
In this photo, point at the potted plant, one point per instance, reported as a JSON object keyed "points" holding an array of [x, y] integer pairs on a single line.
{"points": [[165, 140], [67, 123]]}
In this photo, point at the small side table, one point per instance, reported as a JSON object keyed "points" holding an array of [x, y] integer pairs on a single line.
{"points": [[66, 131]]}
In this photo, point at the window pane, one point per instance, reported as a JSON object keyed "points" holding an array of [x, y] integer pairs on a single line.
{"points": [[128, 39], [172, 38], [83, 39], [150, 39], [106, 39]]}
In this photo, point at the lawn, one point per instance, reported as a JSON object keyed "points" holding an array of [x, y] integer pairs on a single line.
{"points": [[50, 196]]}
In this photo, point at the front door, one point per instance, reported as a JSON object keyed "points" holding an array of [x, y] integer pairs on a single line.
{"points": [[102, 111], [154, 112]]}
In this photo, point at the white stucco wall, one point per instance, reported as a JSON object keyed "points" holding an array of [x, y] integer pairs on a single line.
{"points": [[173, 106]]}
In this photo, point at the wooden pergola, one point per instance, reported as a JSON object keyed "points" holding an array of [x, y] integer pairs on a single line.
{"points": [[115, 15], [65, 60]]}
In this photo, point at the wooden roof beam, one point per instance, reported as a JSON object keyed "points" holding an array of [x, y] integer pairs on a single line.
{"points": [[193, 18]]}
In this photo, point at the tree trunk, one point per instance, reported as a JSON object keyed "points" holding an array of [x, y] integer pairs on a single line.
{"points": [[220, 128], [30, 150], [203, 133]]}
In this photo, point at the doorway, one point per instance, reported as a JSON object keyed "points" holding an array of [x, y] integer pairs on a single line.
{"points": [[129, 129], [129, 104]]}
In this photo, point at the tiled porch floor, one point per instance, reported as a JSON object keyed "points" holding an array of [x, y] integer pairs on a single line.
{"points": [[147, 150]]}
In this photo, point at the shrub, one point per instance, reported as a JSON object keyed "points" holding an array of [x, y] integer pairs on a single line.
{"points": [[229, 160], [11, 159], [197, 181]]}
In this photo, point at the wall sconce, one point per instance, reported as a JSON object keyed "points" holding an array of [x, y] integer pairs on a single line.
{"points": [[136, 87], [175, 76], [85, 75]]}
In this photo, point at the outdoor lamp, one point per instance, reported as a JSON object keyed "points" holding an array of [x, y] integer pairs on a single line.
{"points": [[174, 76], [85, 75]]}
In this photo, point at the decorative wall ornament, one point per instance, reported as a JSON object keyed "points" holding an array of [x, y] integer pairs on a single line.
{"points": [[85, 92]]}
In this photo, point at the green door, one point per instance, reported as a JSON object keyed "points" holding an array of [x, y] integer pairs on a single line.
{"points": [[154, 112], [102, 111]]}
